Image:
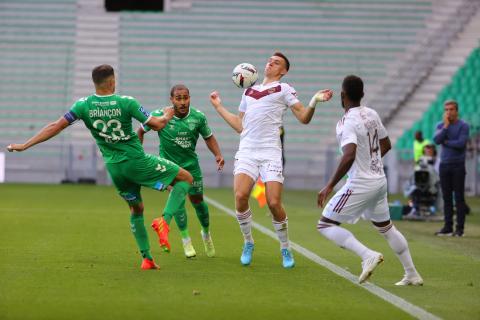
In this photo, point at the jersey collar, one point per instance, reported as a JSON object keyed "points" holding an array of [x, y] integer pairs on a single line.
{"points": [[108, 95], [189, 110], [269, 84]]}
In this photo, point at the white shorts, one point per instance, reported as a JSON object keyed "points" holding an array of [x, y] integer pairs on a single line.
{"points": [[266, 164], [357, 198]]}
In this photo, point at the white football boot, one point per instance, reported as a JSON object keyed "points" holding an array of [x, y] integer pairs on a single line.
{"points": [[410, 280], [368, 265]]}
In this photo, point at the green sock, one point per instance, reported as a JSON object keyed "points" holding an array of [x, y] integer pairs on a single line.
{"points": [[140, 233], [203, 216], [182, 223], [176, 200], [185, 234]]}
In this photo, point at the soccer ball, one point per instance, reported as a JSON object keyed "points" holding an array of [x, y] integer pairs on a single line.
{"points": [[244, 75]]}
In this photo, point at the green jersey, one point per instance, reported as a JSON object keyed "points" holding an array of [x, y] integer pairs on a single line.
{"points": [[109, 119], [178, 139]]}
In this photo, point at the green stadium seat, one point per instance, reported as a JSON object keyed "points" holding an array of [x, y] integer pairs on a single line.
{"points": [[464, 89]]}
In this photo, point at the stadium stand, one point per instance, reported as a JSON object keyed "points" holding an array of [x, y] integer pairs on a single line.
{"points": [[198, 43], [327, 41], [464, 89], [36, 42]]}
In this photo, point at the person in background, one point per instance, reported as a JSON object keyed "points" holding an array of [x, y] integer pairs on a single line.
{"points": [[418, 144], [452, 134]]}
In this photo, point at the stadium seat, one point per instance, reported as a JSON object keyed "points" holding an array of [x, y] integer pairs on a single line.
{"points": [[464, 89]]}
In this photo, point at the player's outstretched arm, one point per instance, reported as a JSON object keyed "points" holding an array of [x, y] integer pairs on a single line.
{"points": [[349, 152], [49, 131], [305, 114], [214, 148], [158, 123], [235, 121]]}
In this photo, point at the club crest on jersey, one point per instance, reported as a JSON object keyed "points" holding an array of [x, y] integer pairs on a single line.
{"points": [[255, 94]]}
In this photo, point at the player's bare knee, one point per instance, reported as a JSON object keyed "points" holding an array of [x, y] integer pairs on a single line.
{"points": [[241, 196], [196, 199], [382, 223], [383, 226], [137, 208], [274, 204], [184, 175]]}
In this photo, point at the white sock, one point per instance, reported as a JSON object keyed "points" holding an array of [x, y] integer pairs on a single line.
{"points": [[245, 222], [281, 228], [205, 235], [344, 238], [186, 240], [399, 244]]}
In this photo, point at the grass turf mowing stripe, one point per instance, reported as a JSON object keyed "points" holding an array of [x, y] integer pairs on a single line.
{"points": [[400, 303]]}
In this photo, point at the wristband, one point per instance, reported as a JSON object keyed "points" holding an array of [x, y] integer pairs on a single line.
{"points": [[313, 102]]}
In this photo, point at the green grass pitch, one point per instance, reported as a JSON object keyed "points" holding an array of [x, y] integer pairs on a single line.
{"points": [[66, 252]]}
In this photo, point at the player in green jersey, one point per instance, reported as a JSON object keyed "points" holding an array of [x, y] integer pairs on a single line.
{"points": [[177, 143], [109, 118]]}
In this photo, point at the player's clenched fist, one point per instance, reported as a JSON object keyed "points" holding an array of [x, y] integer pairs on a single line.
{"points": [[15, 147], [215, 99]]}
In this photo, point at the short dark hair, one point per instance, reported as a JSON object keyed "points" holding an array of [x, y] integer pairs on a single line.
{"points": [[102, 73], [281, 55], [178, 87], [353, 87], [452, 102]]}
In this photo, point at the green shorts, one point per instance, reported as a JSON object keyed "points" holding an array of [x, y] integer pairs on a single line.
{"points": [[197, 185], [150, 171]]}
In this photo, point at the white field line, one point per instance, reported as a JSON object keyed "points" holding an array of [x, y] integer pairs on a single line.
{"points": [[400, 303]]}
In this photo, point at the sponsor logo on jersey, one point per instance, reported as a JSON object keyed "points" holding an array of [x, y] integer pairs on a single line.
{"points": [[183, 142]]}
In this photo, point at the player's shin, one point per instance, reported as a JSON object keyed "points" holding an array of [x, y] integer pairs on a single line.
{"points": [[182, 223], [344, 239], [201, 210], [400, 246], [176, 200], [281, 229], [245, 222], [140, 233]]}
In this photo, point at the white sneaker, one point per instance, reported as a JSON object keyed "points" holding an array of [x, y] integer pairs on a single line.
{"points": [[413, 280], [369, 265], [208, 244], [188, 248]]}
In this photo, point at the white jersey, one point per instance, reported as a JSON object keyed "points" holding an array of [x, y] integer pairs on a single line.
{"points": [[363, 127], [264, 107]]}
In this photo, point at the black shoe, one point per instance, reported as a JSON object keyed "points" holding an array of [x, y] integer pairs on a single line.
{"points": [[444, 232], [458, 233]]}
